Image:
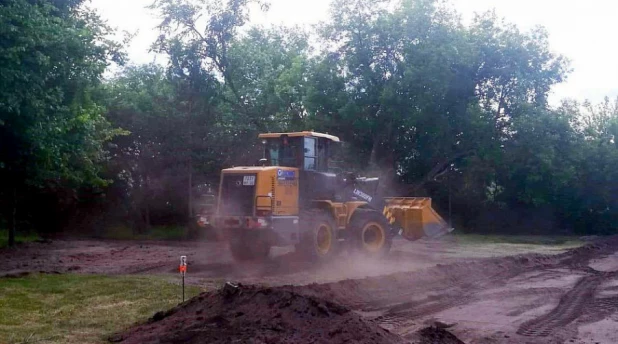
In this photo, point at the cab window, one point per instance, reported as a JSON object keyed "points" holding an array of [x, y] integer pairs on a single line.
{"points": [[310, 154], [283, 152]]}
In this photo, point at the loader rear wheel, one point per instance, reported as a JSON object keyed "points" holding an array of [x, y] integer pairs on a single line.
{"points": [[246, 248], [319, 238], [370, 233]]}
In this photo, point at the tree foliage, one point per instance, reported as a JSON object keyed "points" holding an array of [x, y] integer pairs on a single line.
{"points": [[52, 130], [456, 112]]}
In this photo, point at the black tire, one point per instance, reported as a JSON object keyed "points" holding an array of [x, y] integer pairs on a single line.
{"points": [[370, 233], [248, 248], [319, 240]]}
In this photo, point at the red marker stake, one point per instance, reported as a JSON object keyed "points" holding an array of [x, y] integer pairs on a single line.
{"points": [[183, 270]]}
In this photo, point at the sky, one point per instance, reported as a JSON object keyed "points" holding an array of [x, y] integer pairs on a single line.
{"points": [[582, 30]]}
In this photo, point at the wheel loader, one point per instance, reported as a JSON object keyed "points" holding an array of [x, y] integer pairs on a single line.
{"points": [[293, 198]]}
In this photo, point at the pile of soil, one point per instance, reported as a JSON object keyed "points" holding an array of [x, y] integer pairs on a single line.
{"points": [[436, 335], [314, 313], [249, 314]]}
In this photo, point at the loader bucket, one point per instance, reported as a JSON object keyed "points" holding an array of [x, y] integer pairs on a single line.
{"points": [[416, 217]]}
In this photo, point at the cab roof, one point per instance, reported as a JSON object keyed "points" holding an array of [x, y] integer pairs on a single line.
{"points": [[299, 134]]}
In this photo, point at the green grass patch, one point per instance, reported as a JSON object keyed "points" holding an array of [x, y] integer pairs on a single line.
{"points": [[167, 233], [20, 237], [120, 232], [80, 308], [546, 240]]}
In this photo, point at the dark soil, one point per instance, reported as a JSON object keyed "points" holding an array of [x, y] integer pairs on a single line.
{"points": [[528, 298], [434, 335], [257, 315], [367, 310]]}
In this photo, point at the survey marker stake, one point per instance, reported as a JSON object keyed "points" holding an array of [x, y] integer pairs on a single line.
{"points": [[183, 270]]}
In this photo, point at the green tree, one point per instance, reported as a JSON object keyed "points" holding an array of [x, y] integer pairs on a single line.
{"points": [[173, 122], [202, 31], [269, 69], [595, 205], [52, 56]]}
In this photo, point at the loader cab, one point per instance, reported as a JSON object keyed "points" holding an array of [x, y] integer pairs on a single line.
{"points": [[310, 153], [307, 151]]}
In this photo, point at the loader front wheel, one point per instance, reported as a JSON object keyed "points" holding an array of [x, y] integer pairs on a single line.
{"points": [[370, 233], [319, 238]]}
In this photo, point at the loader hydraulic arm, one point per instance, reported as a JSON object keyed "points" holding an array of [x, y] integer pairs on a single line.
{"points": [[411, 217], [366, 189]]}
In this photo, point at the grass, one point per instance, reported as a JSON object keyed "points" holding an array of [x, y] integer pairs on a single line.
{"points": [[155, 233], [20, 237], [553, 240], [485, 246], [80, 308]]}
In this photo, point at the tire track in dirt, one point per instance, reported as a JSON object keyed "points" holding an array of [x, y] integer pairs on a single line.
{"points": [[398, 301], [400, 316], [608, 304], [401, 301], [403, 317], [405, 314], [579, 305], [570, 307]]}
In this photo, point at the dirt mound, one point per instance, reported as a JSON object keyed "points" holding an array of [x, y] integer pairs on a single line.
{"points": [[435, 335], [257, 315], [581, 256]]}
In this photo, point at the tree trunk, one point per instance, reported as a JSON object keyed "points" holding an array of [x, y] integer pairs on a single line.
{"points": [[450, 208], [373, 157], [144, 206], [190, 158], [148, 198], [147, 217], [190, 187], [13, 218]]}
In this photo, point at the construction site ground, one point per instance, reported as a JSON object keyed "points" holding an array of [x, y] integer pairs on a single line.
{"points": [[450, 290]]}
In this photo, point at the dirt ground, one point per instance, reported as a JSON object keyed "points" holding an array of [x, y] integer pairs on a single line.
{"points": [[489, 293]]}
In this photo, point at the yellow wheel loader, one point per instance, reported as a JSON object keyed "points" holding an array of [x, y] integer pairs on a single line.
{"points": [[293, 198]]}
